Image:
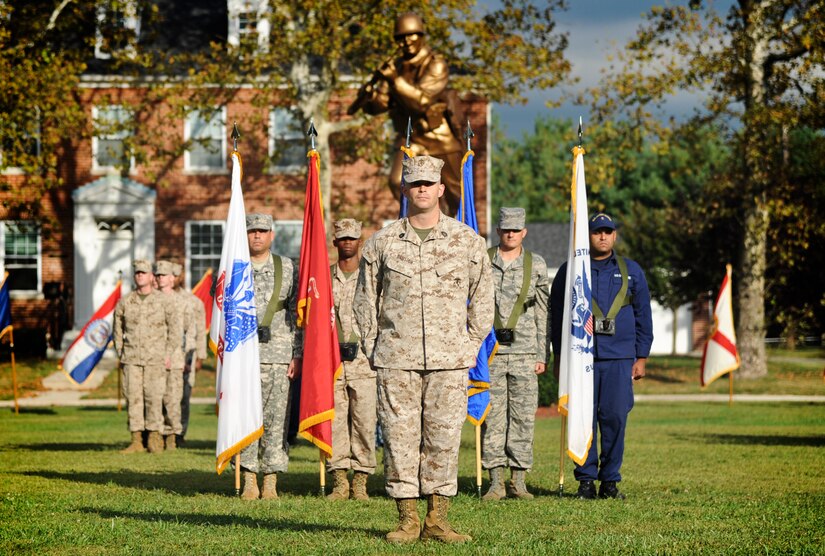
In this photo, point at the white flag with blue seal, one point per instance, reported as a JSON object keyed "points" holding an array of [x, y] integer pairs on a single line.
{"points": [[233, 335], [576, 367]]}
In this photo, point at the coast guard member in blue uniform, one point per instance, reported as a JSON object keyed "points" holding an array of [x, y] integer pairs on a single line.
{"points": [[623, 334]]}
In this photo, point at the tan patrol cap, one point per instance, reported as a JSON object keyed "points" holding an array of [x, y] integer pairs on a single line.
{"points": [[142, 265], [511, 218], [258, 221], [422, 168], [347, 227], [177, 268], [163, 268]]}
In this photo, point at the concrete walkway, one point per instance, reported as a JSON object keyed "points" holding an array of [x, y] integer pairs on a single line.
{"points": [[62, 392]]}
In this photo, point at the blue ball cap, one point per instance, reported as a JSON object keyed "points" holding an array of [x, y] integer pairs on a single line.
{"points": [[601, 220]]}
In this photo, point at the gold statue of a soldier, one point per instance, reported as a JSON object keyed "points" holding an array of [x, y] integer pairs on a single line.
{"points": [[414, 86]]}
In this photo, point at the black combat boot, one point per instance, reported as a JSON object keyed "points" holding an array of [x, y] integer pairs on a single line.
{"points": [[608, 489], [587, 490]]}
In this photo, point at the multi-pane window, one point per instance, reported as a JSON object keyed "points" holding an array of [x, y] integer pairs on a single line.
{"points": [[249, 25], [288, 238], [112, 128], [204, 240], [20, 146], [287, 143], [21, 255], [205, 130], [117, 28]]}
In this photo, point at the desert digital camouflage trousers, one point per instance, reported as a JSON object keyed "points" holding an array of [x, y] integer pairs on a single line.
{"points": [[507, 433], [188, 385], [171, 401], [143, 388], [353, 429], [270, 453], [421, 416]]}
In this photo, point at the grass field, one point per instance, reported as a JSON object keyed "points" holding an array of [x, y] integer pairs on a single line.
{"points": [[700, 478]]}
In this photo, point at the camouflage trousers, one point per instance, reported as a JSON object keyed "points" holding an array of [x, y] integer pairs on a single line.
{"points": [[270, 453], [188, 385], [507, 432], [171, 401], [353, 429], [421, 414], [143, 387]]}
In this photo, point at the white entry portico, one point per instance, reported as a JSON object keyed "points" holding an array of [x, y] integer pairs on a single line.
{"points": [[114, 224]]}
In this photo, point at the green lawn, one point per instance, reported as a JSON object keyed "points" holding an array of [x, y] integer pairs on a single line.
{"points": [[700, 478]]}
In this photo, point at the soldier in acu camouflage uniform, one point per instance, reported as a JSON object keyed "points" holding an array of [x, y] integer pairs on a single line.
{"points": [[424, 304], [194, 330], [353, 430], [522, 292], [147, 331], [164, 273], [280, 351]]}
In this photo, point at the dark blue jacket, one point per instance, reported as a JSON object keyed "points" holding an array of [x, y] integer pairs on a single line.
{"points": [[634, 323]]}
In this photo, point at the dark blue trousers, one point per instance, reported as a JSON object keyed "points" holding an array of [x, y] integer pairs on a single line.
{"points": [[612, 402]]}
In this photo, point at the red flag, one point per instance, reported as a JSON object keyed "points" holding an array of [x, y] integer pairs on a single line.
{"points": [[316, 314], [203, 291]]}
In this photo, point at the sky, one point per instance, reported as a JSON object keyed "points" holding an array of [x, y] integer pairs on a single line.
{"points": [[594, 27]]}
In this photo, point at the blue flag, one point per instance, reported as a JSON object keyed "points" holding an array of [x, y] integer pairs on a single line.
{"points": [[402, 211], [478, 386], [5, 307]]}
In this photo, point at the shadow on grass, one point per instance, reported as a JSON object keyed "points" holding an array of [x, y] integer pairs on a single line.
{"points": [[232, 520], [195, 481], [34, 411], [467, 485], [765, 440], [663, 378], [69, 447]]}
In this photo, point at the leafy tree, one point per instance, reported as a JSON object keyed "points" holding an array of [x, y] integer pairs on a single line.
{"points": [[308, 63], [761, 72]]}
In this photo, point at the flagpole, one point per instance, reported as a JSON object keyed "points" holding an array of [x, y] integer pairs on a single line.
{"points": [[730, 388], [238, 475], [478, 460], [13, 371], [561, 454], [323, 475]]}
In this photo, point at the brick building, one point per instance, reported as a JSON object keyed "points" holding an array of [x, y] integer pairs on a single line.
{"points": [[100, 219]]}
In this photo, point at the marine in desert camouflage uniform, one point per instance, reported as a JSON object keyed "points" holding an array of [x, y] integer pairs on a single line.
{"points": [[521, 328], [280, 351], [172, 427], [353, 429], [147, 331], [424, 304]]}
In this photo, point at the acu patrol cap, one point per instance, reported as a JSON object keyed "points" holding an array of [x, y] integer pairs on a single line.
{"points": [[422, 168], [601, 220], [258, 221], [408, 24], [163, 268], [511, 218], [347, 228], [142, 265]]}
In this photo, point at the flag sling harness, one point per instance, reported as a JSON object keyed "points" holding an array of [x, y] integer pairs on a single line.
{"points": [[520, 306], [275, 304], [621, 299]]}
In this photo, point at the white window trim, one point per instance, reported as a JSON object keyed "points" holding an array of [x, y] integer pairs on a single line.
{"points": [[96, 168], [278, 168], [192, 280], [23, 294], [131, 21], [262, 26], [187, 165], [17, 170]]}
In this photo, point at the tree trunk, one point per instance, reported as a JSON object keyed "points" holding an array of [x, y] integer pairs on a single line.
{"points": [[751, 333], [675, 335]]}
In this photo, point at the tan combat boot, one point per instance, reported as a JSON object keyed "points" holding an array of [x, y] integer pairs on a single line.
{"points": [[409, 525], [496, 490], [270, 491], [516, 488], [250, 486], [359, 486], [155, 442], [436, 526], [136, 445], [340, 485], [170, 442]]}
